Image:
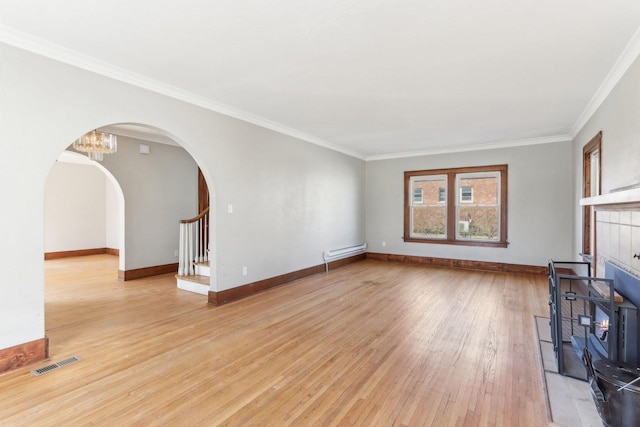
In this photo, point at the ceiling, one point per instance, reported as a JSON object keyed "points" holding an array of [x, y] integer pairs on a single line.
{"points": [[371, 78]]}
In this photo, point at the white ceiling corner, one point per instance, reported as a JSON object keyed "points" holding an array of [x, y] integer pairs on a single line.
{"points": [[630, 53]]}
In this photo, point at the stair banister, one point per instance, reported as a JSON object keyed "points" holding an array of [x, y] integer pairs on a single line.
{"points": [[194, 243]]}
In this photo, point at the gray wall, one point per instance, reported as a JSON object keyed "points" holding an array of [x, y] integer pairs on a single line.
{"points": [[160, 189], [539, 210], [618, 231], [309, 198], [618, 117], [619, 120], [290, 200]]}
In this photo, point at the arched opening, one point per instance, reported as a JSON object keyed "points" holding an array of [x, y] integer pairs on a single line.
{"points": [[84, 209], [136, 197], [163, 185]]}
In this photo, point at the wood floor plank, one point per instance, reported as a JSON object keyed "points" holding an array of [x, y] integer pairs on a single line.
{"points": [[371, 344]]}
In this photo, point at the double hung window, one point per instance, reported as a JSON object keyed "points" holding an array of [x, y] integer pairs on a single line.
{"points": [[463, 206], [591, 187]]}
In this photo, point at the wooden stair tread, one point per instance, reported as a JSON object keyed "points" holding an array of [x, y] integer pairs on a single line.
{"points": [[203, 280], [202, 263]]}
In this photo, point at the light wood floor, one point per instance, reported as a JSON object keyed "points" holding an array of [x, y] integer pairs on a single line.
{"points": [[370, 344]]}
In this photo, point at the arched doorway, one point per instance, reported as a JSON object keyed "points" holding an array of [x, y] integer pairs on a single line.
{"points": [[162, 185], [159, 179], [159, 183], [84, 209]]}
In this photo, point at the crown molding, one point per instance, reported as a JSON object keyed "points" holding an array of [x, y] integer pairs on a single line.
{"points": [[59, 53], [621, 66], [479, 147], [56, 52]]}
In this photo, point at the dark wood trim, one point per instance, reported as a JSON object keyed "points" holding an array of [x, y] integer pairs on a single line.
{"points": [[504, 208], [468, 169], [233, 294], [203, 192], [212, 299], [451, 209], [566, 271], [461, 263], [594, 144], [457, 242], [244, 291], [203, 203], [407, 206], [346, 261], [25, 354], [139, 273], [80, 252], [195, 218], [451, 206]]}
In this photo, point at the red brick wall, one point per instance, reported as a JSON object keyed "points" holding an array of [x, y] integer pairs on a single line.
{"points": [[481, 212]]}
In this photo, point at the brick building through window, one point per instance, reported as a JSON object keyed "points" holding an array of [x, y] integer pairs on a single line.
{"points": [[476, 208]]}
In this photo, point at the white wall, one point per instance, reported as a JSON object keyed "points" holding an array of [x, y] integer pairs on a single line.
{"points": [[618, 117], [160, 189], [308, 198], [539, 210], [291, 201], [619, 120], [112, 221], [75, 208], [81, 207]]}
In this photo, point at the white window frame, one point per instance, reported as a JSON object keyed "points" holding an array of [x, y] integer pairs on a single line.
{"points": [[413, 203], [462, 176]]}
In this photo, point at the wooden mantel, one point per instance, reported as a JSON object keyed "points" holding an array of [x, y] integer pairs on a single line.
{"points": [[624, 199]]}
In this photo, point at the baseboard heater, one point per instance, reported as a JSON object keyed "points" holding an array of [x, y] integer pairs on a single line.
{"points": [[336, 254]]}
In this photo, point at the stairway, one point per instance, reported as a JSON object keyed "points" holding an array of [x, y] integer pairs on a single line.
{"points": [[199, 282]]}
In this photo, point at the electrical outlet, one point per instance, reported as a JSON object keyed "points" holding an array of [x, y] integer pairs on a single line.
{"points": [[244, 271], [384, 243], [230, 208]]}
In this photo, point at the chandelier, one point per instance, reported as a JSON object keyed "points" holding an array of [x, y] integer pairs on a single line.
{"points": [[96, 144]]}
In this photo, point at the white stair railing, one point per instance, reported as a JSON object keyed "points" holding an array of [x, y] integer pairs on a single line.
{"points": [[194, 243]]}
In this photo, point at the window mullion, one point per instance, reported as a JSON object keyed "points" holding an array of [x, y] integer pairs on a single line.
{"points": [[433, 218], [451, 206]]}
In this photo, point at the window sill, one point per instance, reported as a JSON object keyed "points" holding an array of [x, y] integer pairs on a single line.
{"points": [[457, 242]]}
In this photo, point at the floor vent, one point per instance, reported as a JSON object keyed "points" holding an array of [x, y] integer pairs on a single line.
{"points": [[54, 366]]}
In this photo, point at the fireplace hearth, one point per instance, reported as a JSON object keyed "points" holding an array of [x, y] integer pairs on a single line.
{"points": [[596, 314]]}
